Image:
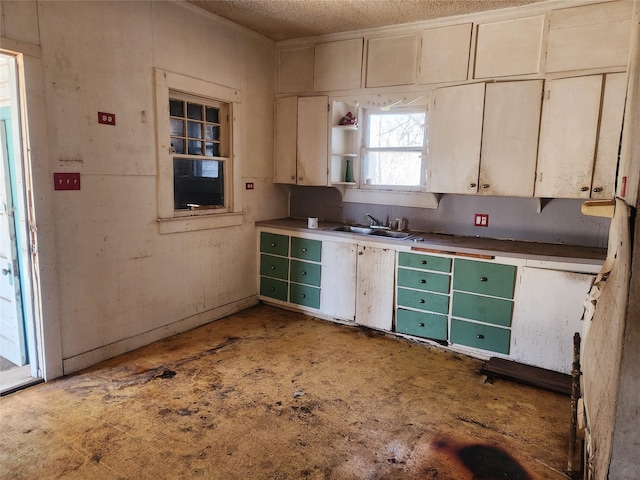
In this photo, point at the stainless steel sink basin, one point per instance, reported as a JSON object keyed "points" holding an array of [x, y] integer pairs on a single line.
{"points": [[353, 229], [391, 234]]}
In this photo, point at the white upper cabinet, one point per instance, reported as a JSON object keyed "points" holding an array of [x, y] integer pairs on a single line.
{"points": [[338, 65], [512, 47], [570, 114], [510, 138], [445, 54], [301, 138], [295, 70], [453, 162], [590, 36], [392, 61]]}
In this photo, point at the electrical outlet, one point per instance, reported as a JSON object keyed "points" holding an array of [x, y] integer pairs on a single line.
{"points": [[66, 181], [249, 185], [107, 118], [481, 220]]}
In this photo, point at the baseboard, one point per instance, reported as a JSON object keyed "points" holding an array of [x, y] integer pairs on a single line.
{"points": [[87, 359]]}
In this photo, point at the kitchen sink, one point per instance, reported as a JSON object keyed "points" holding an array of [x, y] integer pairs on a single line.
{"points": [[353, 229], [391, 234], [373, 231]]}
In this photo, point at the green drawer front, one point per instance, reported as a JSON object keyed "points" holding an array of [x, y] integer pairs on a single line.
{"points": [[425, 262], [304, 295], [273, 243], [306, 249], [432, 302], [276, 267], [486, 278], [434, 282], [428, 325], [305, 272], [483, 309], [270, 287], [480, 336]]}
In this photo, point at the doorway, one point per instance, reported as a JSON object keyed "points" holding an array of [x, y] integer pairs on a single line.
{"points": [[18, 356]]}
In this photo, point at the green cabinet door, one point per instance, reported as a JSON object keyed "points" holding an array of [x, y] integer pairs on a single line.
{"points": [[484, 277], [433, 282], [274, 243], [432, 302], [270, 287], [275, 267], [483, 309], [424, 262], [481, 336], [421, 324], [305, 272], [304, 295], [306, 249]]}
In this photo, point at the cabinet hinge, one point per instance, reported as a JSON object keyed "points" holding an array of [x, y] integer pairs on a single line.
{"points": [[328, 107]]}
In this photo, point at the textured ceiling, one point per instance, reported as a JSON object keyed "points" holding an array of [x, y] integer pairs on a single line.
{"points": [[286, 19]]}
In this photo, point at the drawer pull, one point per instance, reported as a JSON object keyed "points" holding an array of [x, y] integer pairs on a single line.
{"points": [[272, 289], [481, 337], [304, 249], [421, 301], [423, 281], [273, 244], [303, 296], [484, 279], [304, 273], [584, 189], [423, 262], [273, 267], [421, 324], [472, 185]]}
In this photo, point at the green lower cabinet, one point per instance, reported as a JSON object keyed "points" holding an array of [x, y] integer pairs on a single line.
{"points": [[434, 282], [421, 324], [481, 336], [306, 249], [270, 287], [275, 267], [482, 309], [431, 302], [305, 272], [304, 295]]}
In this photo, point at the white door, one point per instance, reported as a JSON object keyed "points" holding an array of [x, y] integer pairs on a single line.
{"points": [[12, 341], [374, 289]]}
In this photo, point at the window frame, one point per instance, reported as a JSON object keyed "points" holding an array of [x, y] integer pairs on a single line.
{"points": [[169, 219], [365, 149]]}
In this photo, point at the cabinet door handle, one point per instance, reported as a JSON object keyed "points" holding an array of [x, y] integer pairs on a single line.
{"points": [[484, 279], [584, 189], [273, 244], [421, 301], [293, 177], [273, 267], [421, 324], [303, 296], [271, 289], [423, 262], [299, 178], [481, 337], [304, 273], [304, 249], [472, 185], [598, 189], [485, 185], [360, 253], [423, 280]]}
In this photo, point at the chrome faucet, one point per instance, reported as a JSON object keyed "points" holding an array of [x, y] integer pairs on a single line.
{"points": [[374, 222]]}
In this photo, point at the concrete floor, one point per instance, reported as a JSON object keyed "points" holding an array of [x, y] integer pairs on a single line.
{"points": [[271, 394]]}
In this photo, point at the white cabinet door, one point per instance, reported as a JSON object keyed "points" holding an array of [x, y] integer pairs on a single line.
{"points": [[392, 61], [313, 138], [445, 54], [295, 70], [338, 65], [375, 283], [548, 311], [339, 280], [510, 138], [454, 159], [570, 114], [286, 134]]}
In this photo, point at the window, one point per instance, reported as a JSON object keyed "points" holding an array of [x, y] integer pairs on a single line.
{"points": [[395, 143], [200, 149], [199, 153]]}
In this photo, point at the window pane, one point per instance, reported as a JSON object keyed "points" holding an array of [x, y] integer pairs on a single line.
{"points": [[212, 149], [198, 184], [194, 111], [177, 127], [393, 168], [177, 145], [194, 129], [213, 115], [195, 147], [176, 108], [396, 130], [212, 132]]}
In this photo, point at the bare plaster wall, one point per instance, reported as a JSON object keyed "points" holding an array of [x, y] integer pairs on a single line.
{"points": [[117, 278], [560, 220]]}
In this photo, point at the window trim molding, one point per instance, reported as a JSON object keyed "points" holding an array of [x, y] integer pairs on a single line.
{"points": [[169, 220]]}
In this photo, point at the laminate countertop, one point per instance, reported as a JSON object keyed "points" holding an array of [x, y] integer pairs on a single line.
{"points": [[455, 244]]}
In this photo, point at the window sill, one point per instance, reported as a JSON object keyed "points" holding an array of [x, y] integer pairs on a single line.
{"points": [[199, 222], [389, 197]]}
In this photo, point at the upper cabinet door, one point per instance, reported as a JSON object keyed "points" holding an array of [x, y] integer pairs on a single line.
{"points": [[510, 138], [590, 36], [570, 113], [392, 61], [338, 65], [295, 70], [454, 156], [445, 54], [286, 128], [511, 47], [313, 139]]}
